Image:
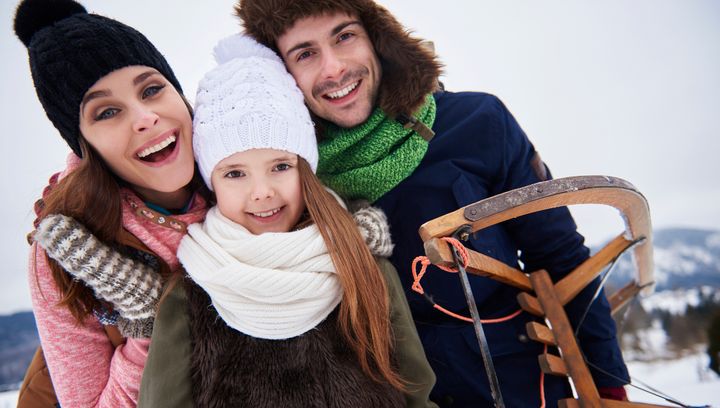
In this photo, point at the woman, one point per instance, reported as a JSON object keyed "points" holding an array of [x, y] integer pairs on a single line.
{"points": [[130, 180]]}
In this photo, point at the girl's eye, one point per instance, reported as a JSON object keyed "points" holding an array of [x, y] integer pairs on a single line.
{"points": [[152, 90], [107, 114], [234, 174], [282, 167]]}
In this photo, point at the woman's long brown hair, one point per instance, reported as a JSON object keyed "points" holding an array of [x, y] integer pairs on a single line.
{"points": [[364, 317], [91, 195]]}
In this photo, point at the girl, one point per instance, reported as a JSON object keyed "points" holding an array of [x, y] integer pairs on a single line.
{"points": [[130, 180], [309, 319]]}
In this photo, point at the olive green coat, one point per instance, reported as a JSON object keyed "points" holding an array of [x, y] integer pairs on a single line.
{"points": [[166, 379]]}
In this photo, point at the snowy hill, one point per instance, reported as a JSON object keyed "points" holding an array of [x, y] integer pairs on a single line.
{"points": [[672, 322], [684, 259], [18, 341]]}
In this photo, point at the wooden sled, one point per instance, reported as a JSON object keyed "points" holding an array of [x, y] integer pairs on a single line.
{"points": [[541, 297]]}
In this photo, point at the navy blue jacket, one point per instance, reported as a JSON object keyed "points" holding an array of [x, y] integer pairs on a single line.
{"points": [[479, 151]]}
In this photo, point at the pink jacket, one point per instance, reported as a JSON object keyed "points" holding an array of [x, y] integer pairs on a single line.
{"points": [[85, 368]]}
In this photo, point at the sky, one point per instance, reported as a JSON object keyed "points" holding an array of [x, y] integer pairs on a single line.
{"points": [[619, 88]]}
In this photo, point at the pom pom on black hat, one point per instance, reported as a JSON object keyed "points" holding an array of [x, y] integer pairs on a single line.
{"points": [[34, 15], [70, 49]]}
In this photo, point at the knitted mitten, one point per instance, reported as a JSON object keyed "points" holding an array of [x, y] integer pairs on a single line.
{"points": [[373, 226], [132, 287]]}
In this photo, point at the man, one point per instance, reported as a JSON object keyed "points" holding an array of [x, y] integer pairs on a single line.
{"points": [[363, 77]]}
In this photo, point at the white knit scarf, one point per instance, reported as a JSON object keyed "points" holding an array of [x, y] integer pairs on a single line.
{"points": [[270, 286]]}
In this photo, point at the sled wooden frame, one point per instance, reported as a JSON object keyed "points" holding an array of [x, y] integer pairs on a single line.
{"points": [[541, 297]]}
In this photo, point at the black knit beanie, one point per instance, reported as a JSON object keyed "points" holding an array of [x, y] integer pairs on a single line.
{"points": [[69, 50]]}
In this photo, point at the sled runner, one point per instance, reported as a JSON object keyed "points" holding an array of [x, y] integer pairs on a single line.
{"points": [[542, 297]]}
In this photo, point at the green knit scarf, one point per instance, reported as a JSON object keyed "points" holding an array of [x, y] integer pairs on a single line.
{"points": [[370, 159]]}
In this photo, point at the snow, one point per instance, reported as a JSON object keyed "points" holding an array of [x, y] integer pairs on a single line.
{"points": [[687, 380], [8, 399], [646, 343], [680, 260], [677, 301], [713, 241]]}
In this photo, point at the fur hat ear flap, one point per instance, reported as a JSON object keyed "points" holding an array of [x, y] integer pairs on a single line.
{"points": [[410, 69]]}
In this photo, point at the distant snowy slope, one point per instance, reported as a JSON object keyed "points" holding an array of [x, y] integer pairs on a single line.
{"points": [[687, 380], [684, 258]]}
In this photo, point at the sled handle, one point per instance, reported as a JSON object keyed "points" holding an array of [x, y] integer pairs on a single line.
{"points": [[605, 190]]}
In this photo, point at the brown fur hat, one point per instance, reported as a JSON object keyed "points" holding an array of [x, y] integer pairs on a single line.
{"points": [[410, 69]]}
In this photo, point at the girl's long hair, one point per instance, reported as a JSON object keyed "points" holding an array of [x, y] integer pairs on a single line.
{"points": [[364, 317]]}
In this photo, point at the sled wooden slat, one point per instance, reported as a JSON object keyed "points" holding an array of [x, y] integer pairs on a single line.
{"points": [[568, 403], [530, 304], [568, 287], [561, 192], [439, 253], [552, 365], [621, 297], [540, 333], [563, 332]]}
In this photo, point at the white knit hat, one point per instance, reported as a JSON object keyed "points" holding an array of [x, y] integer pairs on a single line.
{"points": [[249, 101]]}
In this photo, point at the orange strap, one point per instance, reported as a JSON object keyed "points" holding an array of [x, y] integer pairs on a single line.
{"points": [[417, 287], [425, 262]]}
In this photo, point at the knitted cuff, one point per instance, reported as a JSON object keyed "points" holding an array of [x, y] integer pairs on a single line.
{"points": [[374, 228], [130, 286], [139, 329]]}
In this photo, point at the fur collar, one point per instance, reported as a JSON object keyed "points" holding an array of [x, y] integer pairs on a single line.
{"points": [[315, 370]]}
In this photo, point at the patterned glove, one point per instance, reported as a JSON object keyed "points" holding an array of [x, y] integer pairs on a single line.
{"points": [[132, 287], [373, 226]]}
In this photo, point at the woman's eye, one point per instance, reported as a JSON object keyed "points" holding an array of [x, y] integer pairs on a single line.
{"points": [[152, 90], [234, 174], [107, 114]]}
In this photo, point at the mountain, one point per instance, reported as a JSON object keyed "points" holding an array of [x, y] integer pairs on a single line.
{"points": [[18, 341], [684, 259], [673, 321]]}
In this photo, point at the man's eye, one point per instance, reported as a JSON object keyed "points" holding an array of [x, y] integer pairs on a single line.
{"points": [[107, 114], [345, 36], [234, 174], [152, 90], [305, 54]]}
